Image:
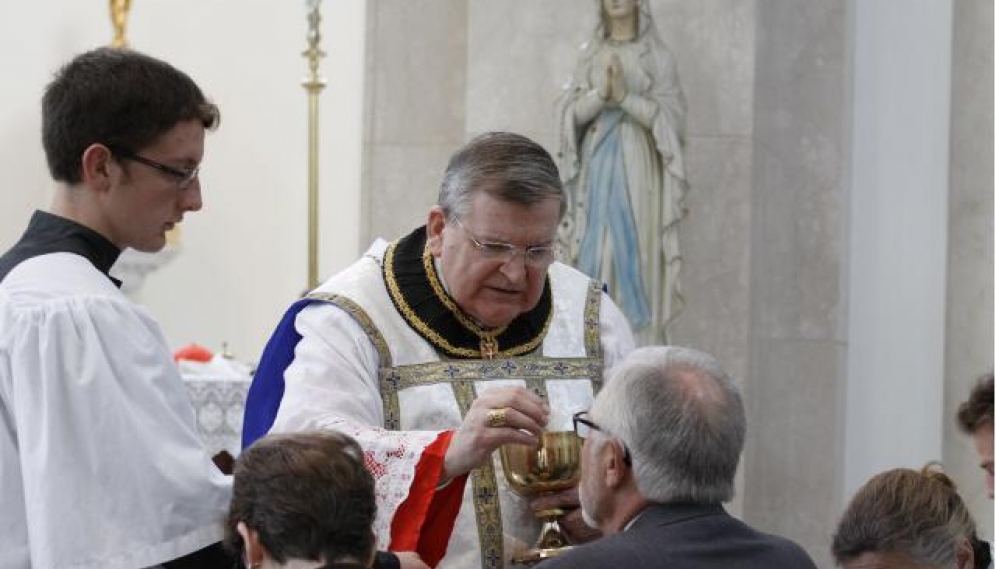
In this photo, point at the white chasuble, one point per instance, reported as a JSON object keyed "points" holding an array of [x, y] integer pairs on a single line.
{"points": [[364, 367]]}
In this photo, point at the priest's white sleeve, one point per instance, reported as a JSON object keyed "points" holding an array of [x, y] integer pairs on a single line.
{"points": [[332, 384]]}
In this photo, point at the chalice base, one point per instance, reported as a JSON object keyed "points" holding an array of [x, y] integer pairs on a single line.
{"points": [[551, 542], [534, 556]]}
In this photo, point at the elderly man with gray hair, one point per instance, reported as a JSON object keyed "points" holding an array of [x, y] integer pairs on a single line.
{"points": [[661, 446]]}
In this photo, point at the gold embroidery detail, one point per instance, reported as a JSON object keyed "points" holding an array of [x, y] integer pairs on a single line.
{"points": [[489, 348], [388, 394], [592, 332], [592, 305], [389, 388], [464, 392], [487, 508], [488, 511], [395, 291], [454, 371], [444, 297], [538, 386]]}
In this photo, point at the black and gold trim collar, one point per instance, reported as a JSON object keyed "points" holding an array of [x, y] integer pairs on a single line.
{"points": [[418, 294]]}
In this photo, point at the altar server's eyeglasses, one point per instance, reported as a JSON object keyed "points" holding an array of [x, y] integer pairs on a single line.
{"points": [[535, 256], [184, 176], [584, 426]]}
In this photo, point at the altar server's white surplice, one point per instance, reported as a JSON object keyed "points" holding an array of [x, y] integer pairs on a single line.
{"points": [[100, 462]]}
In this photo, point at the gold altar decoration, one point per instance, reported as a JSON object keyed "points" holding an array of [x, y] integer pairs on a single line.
{"points": [[313, 84], [119, 20]]}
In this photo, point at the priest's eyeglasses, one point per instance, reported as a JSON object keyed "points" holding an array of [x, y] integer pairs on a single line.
{"points": [[184, 176], [584, 426], [535, 256]]}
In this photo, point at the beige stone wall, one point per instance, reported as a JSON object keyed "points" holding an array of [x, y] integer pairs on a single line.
{"points": [[797, 247], [969, 334], [415, 111]]}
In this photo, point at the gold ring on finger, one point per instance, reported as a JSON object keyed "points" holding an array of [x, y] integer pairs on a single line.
{"points": [[498, 417]]}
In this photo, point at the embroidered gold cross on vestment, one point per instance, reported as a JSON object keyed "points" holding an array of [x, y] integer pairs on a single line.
{"points": [[489, 348]]}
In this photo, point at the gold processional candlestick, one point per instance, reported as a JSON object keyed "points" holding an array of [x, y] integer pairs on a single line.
{"points": [[119, 19], [313, 84]]}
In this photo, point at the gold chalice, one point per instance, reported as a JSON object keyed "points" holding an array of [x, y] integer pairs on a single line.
{"points": [[552, 466]]}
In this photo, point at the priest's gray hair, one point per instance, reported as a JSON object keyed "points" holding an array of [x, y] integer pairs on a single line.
{"points": [[507, 166], [682, 418]]}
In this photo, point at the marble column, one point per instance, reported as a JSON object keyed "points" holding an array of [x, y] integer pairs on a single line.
{"points": [[415, 110], [798, 248]]}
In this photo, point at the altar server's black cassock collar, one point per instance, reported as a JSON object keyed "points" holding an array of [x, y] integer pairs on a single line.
{"points": [[415, 289], [49, 233]]}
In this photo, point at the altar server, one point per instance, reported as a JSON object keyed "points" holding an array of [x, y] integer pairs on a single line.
{"points": [[100, 462]]}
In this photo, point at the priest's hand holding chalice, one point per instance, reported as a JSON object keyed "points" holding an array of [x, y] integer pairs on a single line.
{"points": [[540, 465]]}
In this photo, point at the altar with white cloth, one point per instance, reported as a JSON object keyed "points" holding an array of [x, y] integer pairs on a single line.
{"points": [[218, 392]]}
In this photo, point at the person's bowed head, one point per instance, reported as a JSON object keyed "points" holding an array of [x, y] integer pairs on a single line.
{"points": [[304, 500], [908, 519]]}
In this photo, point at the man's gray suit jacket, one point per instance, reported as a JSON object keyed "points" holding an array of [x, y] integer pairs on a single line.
{"points": [[685, 536]]}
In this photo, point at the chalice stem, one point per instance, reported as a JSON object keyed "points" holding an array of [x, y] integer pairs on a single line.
{"points": [[551, 536], [551, 542]]}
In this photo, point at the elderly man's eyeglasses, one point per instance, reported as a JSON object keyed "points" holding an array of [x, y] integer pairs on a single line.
{"points": [[535, 256], [584, 426], [184, 177]]}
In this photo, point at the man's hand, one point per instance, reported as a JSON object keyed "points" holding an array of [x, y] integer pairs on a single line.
{"points": [[500, 415], [571, 522], [410, 560]]}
